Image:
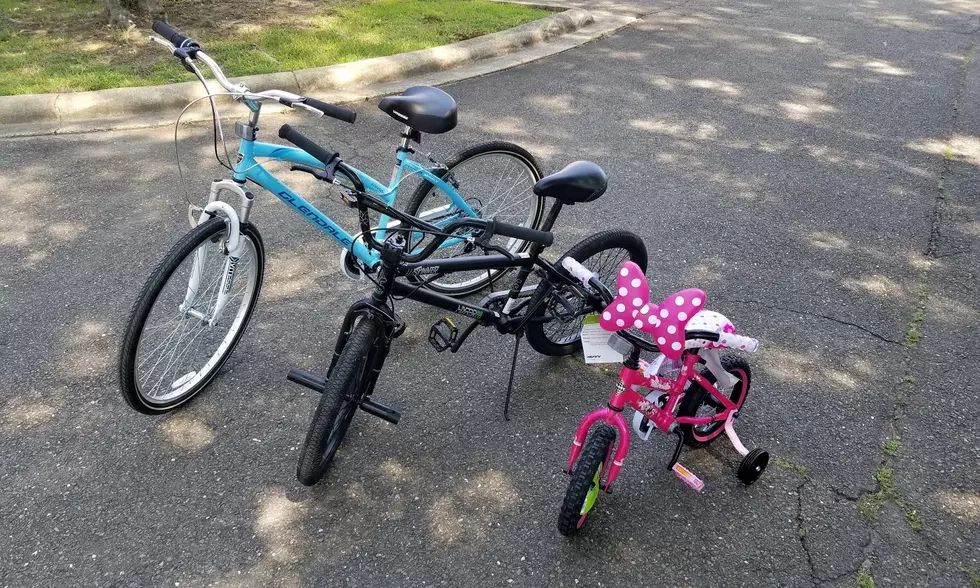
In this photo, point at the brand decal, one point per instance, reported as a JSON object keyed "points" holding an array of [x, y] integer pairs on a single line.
{"points": [[316, 218], [658, 384], [620, 387], [230, 276], [467, 311], [429, 270]]}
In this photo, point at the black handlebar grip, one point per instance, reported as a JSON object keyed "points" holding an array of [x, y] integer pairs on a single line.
{"points": [[297, 138], [338, 112], [171, 34], [543, 237]]}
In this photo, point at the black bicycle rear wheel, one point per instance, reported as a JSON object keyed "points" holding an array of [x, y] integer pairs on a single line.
{"points": [[342, 394], [603, 253]]}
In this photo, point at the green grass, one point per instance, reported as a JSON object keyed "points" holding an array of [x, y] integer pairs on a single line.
{"points": [[913, 331], [865, 580], [973, 575], [871, 504], [892, 446], [61, 45], [795, 468]]}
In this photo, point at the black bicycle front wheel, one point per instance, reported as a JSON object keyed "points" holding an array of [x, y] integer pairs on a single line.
{"points": [[342, 394], [551, 329], [496, 179]]}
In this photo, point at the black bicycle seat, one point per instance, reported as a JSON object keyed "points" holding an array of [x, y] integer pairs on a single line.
{"points": [[424, 108], [581, 181]]}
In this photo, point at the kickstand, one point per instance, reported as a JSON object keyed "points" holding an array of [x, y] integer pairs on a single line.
{"points": [[510, 383]]}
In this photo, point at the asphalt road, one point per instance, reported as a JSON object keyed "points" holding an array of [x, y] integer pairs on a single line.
{"points": [[811, 165]]}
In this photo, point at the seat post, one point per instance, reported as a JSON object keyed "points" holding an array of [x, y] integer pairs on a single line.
{"points": [[549, 221], [408, 135], [404, 148], [534, 252]]}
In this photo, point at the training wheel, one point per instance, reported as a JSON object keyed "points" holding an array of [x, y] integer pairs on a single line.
{"points": [[752, 466]]}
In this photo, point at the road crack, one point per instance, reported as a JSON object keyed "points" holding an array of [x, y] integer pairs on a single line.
{"points": [[817, 315]]}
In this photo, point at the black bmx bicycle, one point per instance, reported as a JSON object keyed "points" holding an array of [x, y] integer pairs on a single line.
{"points": [[550, 313]]}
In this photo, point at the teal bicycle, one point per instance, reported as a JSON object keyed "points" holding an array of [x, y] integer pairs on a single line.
{"points": [[196, 304]]}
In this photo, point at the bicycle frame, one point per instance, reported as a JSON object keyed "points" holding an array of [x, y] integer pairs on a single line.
{"points": [[248, 168], [389, 285], [624, 395]]}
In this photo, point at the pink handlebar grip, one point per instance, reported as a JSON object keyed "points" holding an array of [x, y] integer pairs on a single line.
{"points": [[578, 271], [733, 341]]}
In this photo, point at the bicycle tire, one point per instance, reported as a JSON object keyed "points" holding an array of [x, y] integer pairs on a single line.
{"points": [[585, 480], [478, 279], [340, 398], [544, 340], [206, 235], [697, 398]]}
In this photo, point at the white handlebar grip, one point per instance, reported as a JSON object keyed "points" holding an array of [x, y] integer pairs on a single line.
{"points": [[578, 271], [733, 341]]}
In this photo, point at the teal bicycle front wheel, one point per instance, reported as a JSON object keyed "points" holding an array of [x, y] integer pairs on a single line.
{"points": [[172, 348], [496, 180]]}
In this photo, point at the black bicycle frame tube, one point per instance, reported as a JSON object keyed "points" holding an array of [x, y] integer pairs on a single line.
{"points": [[413, 292], [535, 251], [462, 264]]}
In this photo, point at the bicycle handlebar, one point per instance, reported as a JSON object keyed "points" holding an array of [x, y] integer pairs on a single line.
{"points": [[578, 271], [297, 138], [332, 110], [589, 278], [518, 232], [733, 341], [185, 48], [174, 36]]}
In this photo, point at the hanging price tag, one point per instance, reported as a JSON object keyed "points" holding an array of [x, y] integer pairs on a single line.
{"points": [[595, 343]]}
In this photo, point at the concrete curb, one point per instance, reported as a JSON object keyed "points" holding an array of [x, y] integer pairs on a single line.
{"points": [[74, 108]]}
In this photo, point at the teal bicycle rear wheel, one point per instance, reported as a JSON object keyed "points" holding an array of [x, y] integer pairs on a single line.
{"points": [[496, 180]]}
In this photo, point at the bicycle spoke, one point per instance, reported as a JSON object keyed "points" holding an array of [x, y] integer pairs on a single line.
{"points": [[496, 185], [177, 350]]}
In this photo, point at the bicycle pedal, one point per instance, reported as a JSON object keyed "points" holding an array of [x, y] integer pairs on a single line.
{"points": [[688, 477], [305, 378], [443, 334], [381, 411], [399, 328], [570, 311], [349, 197]]}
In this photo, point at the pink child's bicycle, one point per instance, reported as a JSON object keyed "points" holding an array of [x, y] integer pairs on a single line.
{"points": [[695, 393]]}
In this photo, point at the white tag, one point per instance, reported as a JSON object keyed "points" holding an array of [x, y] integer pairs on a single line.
{"points": [[595, 342]]}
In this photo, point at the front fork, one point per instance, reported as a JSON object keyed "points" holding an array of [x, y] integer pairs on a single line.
{"points": [[234, 245], [614, 418]]}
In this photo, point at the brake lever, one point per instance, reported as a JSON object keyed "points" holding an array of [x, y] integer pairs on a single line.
{"points": [[307, 107], [325, 175], [163, 42]]}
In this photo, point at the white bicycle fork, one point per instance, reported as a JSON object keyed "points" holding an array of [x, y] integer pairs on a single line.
{"points": [[233, 246]]}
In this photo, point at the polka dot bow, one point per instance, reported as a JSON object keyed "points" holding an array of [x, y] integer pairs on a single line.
{"points": [[632, 308]]}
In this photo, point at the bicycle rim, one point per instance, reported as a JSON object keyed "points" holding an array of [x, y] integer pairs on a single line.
{"points": [[177, 351], [605, 264], [495, 184]]}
